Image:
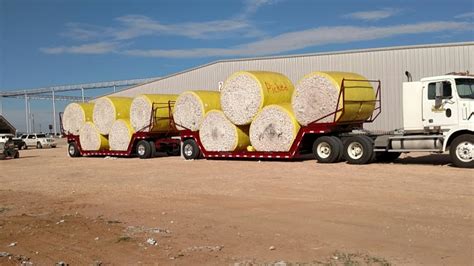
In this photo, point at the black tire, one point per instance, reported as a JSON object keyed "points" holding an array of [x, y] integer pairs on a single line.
{"points": [[461, 151], [359, 150], [190, 150], [38, 145], [386, 157], [152, 149], [16, 155], [73, 150], [143, 149], [25, 147], [327, 149]]}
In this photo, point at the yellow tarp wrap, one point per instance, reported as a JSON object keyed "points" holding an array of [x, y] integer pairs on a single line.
{"points": [[275, 87], [104, 142], [354, 91], [87, 110], [162, 111], [121, 106], [210, 100]]}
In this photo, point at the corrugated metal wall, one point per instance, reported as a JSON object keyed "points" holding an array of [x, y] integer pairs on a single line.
{"points": [[388, 65]]}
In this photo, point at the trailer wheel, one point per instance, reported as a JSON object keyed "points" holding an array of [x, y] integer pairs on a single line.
{"points": [[359, 150], [190, 149], [144, 149], [462, 151], [72, 150], [386, 157], [327, 149], [152, 148]]}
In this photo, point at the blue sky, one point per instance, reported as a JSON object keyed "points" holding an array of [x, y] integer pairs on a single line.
{"points": [[53, 42]]}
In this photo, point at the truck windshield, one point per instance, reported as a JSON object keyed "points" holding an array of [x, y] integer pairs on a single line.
{"points": [[465, 88]]}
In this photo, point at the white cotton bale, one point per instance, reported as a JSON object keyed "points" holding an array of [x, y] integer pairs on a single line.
{"points": [[141, 108], [274, 129], [109, 109], [191, 107], [91, 139], [316, 95], [120, 135], [217, 133], [75, 115], [245, 93]]}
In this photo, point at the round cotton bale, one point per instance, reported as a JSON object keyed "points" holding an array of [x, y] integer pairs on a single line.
{"points": [[245, 93], [191, 107], [109, 109], [316, 95], [141, 108], [217, 133], [91, 139], [274, 129], [75, 115], [120, 135]]}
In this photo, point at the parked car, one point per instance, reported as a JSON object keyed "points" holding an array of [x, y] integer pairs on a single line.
{"points": [[38, 140], [19, 143]]}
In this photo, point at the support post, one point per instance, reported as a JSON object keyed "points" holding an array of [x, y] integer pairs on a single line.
{"points": [[54, 113], [115, 89], [27, 116], [82, 93]]}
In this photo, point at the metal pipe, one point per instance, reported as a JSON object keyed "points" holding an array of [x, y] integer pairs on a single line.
{"points": [[115, 88], [27, 119], [54, 113], [30, 121], [82, 93]]}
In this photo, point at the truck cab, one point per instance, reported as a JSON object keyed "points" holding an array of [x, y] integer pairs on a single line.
{"points": [[438, 116]]}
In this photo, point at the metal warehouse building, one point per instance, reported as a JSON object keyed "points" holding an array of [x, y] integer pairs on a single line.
{"points": [[385, 64]]}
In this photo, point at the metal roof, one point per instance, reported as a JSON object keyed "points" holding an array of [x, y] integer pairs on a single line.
{"points": [[393, 48]]}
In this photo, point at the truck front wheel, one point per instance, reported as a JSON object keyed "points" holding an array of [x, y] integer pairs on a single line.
{"points": [[462, 151], [359, 150], [327, 149]]}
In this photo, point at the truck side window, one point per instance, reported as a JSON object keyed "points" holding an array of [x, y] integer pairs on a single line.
{"points": [[446, 93], [431, 91]]}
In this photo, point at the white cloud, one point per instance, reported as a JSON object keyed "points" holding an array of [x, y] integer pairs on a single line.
{"points": [[469, 15], [303, 39], [91, 48], [252, 6], [373, 15]]}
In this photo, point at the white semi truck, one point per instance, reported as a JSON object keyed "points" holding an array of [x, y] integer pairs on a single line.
{"points": [[438, 116]]}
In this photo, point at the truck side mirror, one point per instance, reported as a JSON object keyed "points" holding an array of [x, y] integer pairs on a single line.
{"points": [[439, 95]]}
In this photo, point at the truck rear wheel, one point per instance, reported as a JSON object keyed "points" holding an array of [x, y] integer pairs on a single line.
{"points": [[144, 149], [327, 149], [190, 149], [359, 150], [38, 145], [462, 151], [72, 150]]}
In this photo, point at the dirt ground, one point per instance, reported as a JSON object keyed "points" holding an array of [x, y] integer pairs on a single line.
{"points": [[96, 211]]}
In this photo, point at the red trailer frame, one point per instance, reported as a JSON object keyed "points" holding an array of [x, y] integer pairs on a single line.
{"points": [[314, 128], [161, 139]]}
